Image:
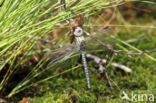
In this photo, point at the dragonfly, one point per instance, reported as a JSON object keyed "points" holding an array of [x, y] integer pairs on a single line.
{"points": [[80, 46], [76, 33]]}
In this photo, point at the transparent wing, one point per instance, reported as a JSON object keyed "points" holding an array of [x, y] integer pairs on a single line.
{"points": [[102, 34], [63, 53], [101, 40]]}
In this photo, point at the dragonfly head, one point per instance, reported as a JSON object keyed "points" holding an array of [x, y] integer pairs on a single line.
{"points": [[78, 32]]}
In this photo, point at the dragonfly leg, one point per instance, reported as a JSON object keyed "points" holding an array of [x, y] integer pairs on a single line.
{"points": [[103, 71], [86, 69]]}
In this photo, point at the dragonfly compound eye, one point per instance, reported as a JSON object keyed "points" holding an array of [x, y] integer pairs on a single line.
{"points": [[78, 31]]}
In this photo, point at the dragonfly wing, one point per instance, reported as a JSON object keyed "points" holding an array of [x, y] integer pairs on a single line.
{"points": [[93, 45], [102, 38], [103, 34], [61, 53], [63, 57]]}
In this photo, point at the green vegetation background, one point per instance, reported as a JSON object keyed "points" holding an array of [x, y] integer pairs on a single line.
{"points": [[68, 83]]}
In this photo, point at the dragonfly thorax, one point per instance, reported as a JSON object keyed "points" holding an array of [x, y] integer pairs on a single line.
{"points": [[78, 33]]}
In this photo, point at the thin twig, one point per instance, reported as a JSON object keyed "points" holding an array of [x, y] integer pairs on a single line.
{"points": [[134, 40], [141, 53], [98, 60]]}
